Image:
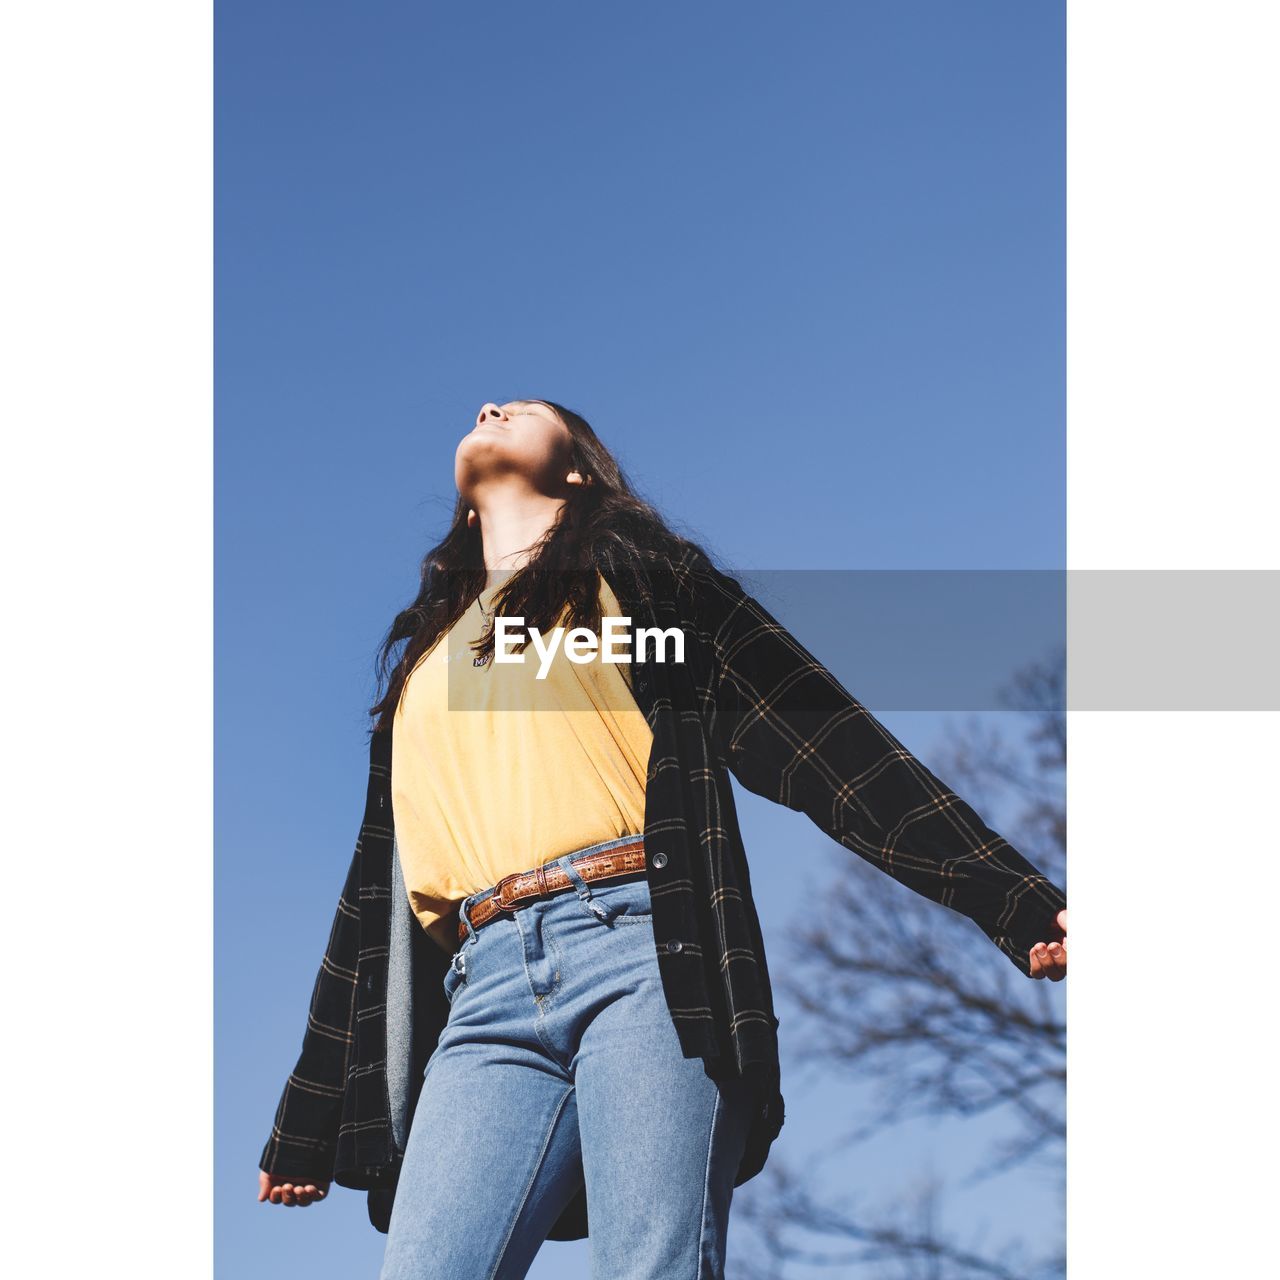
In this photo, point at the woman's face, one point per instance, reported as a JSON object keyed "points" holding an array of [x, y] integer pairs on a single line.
{"points": [[517, 439]]}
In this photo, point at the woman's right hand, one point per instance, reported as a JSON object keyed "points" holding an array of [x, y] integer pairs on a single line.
{"points": [[287, 1191]]}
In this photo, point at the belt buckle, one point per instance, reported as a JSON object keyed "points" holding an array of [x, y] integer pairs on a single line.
{"points": [[496, 896]]}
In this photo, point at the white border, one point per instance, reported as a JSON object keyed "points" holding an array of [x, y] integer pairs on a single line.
{"points": [[107, 519], [1172, 459]]}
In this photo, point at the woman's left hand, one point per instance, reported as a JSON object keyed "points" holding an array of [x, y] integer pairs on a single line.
{"points": [[1049, 959]]}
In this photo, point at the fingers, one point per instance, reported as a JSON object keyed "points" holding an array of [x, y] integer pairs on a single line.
{"points": [[294, 1193], [302, 1193], [1049, 960]]}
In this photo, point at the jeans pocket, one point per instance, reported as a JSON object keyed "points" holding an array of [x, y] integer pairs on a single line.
{"points": [[626, 901]]}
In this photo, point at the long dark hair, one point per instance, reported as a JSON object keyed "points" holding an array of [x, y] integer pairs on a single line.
{"points": [[604, 527]]}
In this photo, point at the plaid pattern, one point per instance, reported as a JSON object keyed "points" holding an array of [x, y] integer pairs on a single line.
{"points": [[748, 700]]}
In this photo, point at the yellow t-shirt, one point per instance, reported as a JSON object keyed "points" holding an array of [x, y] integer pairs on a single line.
{"points": [[495, 770]]}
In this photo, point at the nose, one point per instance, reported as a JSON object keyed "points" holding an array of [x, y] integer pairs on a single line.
{"points": [[488, 412]]}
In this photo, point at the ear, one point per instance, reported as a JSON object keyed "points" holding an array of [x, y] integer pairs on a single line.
{"points": [[576, 477], [472, 519]]}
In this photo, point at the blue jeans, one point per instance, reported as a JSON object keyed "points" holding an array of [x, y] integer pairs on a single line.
{"points": [[560, 1062]]}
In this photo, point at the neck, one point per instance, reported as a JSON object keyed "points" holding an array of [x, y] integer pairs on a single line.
{"points": [[511, 523]]}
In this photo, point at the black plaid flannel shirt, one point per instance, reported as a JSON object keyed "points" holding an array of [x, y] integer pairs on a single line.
{"points": [[748, 700]]}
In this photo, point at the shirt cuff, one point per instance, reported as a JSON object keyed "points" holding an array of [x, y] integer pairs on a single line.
{"points": [[296, 1162], [1034, 919]]}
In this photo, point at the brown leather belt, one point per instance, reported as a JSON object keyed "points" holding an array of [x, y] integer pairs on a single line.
{"points": [[542, 882]]}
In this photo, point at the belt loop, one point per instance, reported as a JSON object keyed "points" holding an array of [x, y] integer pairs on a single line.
{"points": [[583, 888], [466, 919]]}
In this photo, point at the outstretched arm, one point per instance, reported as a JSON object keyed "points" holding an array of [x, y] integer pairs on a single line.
{"points": [[789, 731]]}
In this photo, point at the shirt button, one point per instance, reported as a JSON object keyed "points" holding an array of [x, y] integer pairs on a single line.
{"points": [[659, 859], [674, 944]]}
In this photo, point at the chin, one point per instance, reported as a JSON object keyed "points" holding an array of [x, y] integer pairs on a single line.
{"points": [[471, 446], [477, 457]]}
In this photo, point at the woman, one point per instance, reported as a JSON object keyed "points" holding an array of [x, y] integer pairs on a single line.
{"points": [[591, 1020]]}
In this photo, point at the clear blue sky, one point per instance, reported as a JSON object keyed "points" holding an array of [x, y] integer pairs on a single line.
{"points": [[801, 266]]}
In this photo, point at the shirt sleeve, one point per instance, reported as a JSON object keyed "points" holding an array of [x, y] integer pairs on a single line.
{"points": [[790, 732], [304, 1135]]}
